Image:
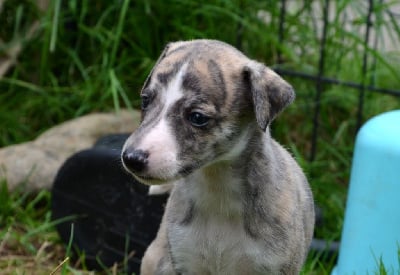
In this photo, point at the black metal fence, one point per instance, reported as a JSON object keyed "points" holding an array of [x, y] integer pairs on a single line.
{"points": [[319, 79]]}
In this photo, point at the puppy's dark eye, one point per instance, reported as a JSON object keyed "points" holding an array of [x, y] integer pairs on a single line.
{"points": [[145, 102], [198, 119]]}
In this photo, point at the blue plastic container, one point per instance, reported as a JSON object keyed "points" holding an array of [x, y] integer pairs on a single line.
{"points": [[371, 230]]}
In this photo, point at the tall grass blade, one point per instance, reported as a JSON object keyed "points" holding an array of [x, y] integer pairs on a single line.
{"points": [[118, 34], [54, 28]]}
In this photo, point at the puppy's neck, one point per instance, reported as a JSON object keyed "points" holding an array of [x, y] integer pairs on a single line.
{"points": [[217, 189]]}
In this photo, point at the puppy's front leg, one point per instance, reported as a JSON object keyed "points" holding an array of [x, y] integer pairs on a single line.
{"points": [[156, 259]]}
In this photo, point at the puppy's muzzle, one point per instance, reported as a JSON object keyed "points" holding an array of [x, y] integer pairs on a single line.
{"points": [[135, 160]]}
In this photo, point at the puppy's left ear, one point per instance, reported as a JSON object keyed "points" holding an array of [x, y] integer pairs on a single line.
{"points": [[270, 93]]}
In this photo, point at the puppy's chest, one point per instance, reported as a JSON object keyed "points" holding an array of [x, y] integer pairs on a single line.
{"points": [[214, 246], [214, 240]]}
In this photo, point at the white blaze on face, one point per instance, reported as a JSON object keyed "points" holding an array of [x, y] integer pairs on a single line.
{"points": [[173, 92], [160, 140]]}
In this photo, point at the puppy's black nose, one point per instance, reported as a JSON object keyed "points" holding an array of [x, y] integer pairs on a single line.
{"points": [[135, 160]]}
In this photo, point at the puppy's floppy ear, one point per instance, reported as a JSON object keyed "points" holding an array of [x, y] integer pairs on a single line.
{"points": [[162, 55], [270, 93]]}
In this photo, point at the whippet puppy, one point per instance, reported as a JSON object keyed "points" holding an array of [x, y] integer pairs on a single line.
{"points": [[240, 204]]}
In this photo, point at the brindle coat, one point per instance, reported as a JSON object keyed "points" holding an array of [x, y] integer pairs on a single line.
{"points": [[240, 203]]}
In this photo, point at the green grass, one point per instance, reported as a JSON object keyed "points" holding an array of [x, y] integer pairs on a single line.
{"points": [[87, 57]]}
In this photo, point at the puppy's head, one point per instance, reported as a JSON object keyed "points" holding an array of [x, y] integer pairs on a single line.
{"points": [[200, 104]]}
